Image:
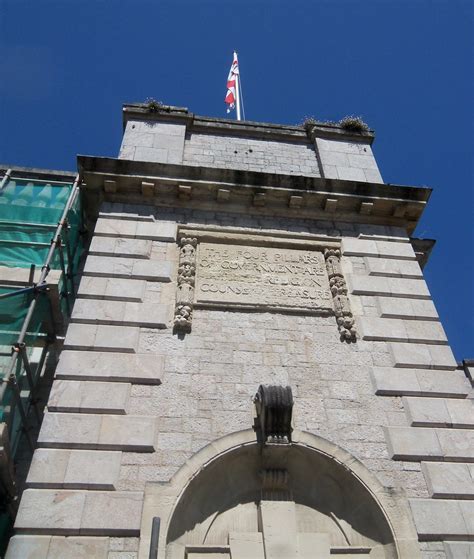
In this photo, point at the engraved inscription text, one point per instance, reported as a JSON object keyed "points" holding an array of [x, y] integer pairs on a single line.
{"points": [[276, 278]]}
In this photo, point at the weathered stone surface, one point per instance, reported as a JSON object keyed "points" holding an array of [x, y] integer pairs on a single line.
{"points": [[85, 512], [117, 367], [410, 309], [459, 550], [113, 513], [389, 287], [449, 480], [88, 397], [389, 267], [102, 337], [437, 412], [391, 329], [243, 276], [74, 469], [246, 545], [441, 519], [116, 267], [406, 443], [88, 431], [422, 356], [381, 249], [28, 547], [93, 311], [114, 289], [57, 547], [128, 248], [418, 443], [50, 511], [127, 228], [419, 382]]}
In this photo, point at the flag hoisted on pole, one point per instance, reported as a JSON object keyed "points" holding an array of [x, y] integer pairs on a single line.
{"points": [[232, 97]]}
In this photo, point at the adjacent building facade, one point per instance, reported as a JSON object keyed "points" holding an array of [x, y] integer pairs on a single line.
{"points": [[254, 367]]}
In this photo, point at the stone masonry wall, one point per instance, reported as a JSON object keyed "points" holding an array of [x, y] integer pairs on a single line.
{"points": [[132, 402], [248, 154], [169, 142]]}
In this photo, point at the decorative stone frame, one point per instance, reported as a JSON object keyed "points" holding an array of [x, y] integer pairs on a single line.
{"points": [[162, 499], [189, 237]]}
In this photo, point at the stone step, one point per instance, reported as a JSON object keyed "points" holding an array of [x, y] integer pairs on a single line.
{"points": [[74, 469], [118, 367], [112, 289], [112, 266], [389, 381], [55, 547], [101, 337], [89, 397], [97, 311], [47, 511], [95, 431], [419, 443]]}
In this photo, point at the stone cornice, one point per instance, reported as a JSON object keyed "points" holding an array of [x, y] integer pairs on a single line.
{"points": [[252, 192], [259, 130]]}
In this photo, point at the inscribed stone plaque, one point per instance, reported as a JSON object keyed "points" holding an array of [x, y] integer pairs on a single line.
{"points": [[261, 277]]}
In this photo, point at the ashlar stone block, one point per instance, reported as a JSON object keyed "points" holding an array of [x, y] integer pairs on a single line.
{"points": [[127, 228], [80, 512], [387, 287], [102, 337], [97, 311], [113, 513], [133, 268], [422, 356], [457, 444], [127, 248], [108, 366], [391, 329], [435, 412], [352, 246], [407, 443], [94, 431], [50, 511], [88, 397], [449, 480], [459, 550], [28, 547], [409, 309], [390, 267], [74, 469], [115, 289], [438, 519]]}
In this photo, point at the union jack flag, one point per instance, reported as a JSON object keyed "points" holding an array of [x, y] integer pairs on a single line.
{"points": [[231, 83]]}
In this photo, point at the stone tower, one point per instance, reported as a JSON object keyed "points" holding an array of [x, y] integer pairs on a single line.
{"points": [[254, 367]]}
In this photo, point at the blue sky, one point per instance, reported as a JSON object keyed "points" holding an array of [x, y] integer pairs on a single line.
{"points": [[406, 66]]}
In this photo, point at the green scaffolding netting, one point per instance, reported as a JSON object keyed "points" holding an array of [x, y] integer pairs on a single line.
{"points": [[29, 214]]}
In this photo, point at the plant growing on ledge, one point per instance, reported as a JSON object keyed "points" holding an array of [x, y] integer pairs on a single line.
{"points": [[309, 122], [153, 105], [354, 124]]}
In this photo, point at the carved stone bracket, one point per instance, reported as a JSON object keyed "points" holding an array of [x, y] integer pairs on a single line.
{"points": [[337, 283], [274, 406], [185, 288]]}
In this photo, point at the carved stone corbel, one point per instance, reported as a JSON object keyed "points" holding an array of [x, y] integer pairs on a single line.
{"points": [[337, 284], [185, 288], [274, 407]]}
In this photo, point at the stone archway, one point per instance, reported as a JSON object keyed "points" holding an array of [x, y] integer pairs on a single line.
{"points": [[309, 499]]}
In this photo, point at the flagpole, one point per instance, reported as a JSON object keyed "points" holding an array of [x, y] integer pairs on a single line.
{"points": [[237, 92]]}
